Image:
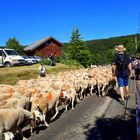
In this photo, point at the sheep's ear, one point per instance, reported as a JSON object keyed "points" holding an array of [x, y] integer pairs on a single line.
{"points": [[38, 107]]}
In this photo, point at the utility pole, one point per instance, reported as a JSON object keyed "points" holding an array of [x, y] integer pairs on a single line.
{"points": [[136, 42]]}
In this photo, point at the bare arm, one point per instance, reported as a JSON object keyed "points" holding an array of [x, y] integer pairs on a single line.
{"points": [[113, 69], [130, 69]]}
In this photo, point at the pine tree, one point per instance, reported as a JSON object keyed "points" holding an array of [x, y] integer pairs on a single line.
{"points": [[13, 43], [78, 49]]}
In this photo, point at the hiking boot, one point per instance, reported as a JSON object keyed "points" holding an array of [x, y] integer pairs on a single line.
{"points": [[122, 102], [127, 97]]}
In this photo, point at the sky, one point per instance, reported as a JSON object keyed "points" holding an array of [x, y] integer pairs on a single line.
{"points": [[32, 20]]}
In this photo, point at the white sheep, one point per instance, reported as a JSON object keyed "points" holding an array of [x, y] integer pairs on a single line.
{"points": [[11, 119]]}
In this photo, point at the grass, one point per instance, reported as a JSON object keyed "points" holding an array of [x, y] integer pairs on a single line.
{"points": [[11, 75]]}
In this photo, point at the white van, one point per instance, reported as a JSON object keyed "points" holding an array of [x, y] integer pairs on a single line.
{"points": [[9, 57]]}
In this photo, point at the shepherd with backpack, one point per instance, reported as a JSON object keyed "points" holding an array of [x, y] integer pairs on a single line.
{"points": [[122, 69]]}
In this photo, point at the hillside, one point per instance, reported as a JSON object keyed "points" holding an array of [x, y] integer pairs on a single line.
{"points": [[102, 50], [109, 43], [102, 45]]}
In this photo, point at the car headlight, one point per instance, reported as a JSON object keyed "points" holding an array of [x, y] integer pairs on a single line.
{"points": [[14, 60]]}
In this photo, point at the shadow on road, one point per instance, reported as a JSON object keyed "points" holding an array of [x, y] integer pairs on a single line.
{"points": [[26, 133], [113, 94], [112, 128]]}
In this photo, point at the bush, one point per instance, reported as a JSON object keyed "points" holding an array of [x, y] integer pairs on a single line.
{"points": [[71, 63], [58, 59], [46, 61]]}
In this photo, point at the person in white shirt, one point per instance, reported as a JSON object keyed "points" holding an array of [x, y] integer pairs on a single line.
{"points": [[42, 70]]}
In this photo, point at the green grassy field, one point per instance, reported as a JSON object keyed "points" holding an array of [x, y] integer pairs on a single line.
{"points": [[10, 75]]}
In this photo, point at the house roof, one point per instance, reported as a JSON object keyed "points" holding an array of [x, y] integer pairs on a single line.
{"points": [[36, 44]]}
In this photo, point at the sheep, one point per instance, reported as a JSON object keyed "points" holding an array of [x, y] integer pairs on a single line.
{"points": [[39, 103], [13, 102], [83, 81], [14, 118], [4, 96], [69, 96], [45, 102]]}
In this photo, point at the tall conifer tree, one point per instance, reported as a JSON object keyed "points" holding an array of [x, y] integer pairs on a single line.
{"points": [[78, 49]]}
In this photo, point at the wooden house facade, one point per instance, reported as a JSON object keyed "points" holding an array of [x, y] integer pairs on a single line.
{"points": [[44, 48]]}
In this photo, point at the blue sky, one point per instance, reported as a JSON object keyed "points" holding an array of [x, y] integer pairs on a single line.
{"points": [[31, 20]]}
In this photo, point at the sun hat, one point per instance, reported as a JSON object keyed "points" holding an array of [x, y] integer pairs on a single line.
{"points": [[120, 48]]}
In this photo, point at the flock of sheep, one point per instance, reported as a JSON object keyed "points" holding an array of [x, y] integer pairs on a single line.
{"points": [[31, 100]]}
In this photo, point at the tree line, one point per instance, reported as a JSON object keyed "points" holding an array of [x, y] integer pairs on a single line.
{"points": [[80, 52]]}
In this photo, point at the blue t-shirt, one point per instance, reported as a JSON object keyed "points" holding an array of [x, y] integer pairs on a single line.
{"points": [[125, 71]]}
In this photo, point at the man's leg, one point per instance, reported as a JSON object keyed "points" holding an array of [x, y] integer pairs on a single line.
{"points": [[121, 90], [50, 62], [126, 86], [126, 91]]}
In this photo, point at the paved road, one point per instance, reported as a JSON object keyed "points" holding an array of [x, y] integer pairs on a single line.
{"points": [[94, 118], [72, 125]]}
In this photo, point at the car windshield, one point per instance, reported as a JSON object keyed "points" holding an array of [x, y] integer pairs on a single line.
{"points": [[11, 52], [36, 56], [30, 56], [26, 57]]}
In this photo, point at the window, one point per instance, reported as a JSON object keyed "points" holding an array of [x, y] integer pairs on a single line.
{"points": [[11, 52]]}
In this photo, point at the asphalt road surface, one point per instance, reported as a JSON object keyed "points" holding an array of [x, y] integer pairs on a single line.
{"points": [[72, 125]]}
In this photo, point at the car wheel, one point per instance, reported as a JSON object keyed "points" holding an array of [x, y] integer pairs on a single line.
{"points": [[7, 64]]}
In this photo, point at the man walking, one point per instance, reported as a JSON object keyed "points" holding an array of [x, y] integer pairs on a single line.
{"points": [[51, 59], [122, 69]]}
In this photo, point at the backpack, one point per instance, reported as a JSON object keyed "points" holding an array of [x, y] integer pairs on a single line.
{"points": [[122, 61]]}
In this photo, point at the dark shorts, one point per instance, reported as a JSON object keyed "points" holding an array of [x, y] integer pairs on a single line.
{"points": [[137, 71], [122, 81]]}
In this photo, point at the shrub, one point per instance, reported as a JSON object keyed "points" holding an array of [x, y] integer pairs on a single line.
{"points": [[71, 63], [46, 61]]}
